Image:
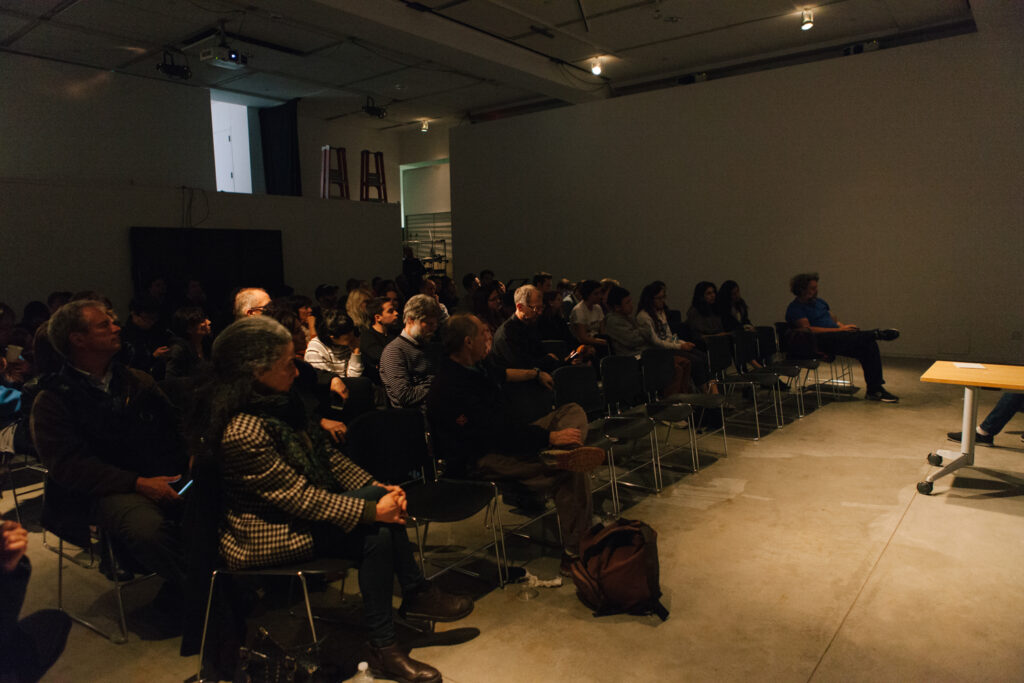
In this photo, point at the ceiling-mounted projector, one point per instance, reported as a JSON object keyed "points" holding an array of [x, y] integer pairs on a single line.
{"points": [[224, 57]]}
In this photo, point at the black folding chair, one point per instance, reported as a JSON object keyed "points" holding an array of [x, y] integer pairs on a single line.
{"points": [[624, 396], [392, 446], [657, 367], [578, 384]]}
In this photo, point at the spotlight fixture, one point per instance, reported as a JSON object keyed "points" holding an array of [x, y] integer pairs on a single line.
{"points": [[425, 126], [807, 20], [595, 67], [371, 109], [168, 67]]}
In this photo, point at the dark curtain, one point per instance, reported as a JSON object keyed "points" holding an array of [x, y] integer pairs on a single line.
{"points": [[279, 131]]}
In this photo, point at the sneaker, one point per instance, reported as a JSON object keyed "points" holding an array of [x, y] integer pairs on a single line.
{"points": [[986, 439], [582, 459], [433, 604], [881, 395]]}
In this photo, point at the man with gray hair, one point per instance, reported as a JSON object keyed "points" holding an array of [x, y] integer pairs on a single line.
{"points": [[109, 439], [250, 301], [517, 343], [406, 368]]}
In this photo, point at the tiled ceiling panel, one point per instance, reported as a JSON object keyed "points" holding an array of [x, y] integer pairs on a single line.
{"points": [[489, 17], [73, 45], [413, 83], [143, 23]]}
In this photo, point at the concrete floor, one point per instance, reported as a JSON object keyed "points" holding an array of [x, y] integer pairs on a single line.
{"points": [[805, 556]]}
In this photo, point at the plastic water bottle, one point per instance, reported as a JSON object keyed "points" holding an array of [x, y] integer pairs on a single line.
{"points": [[363, 674]]}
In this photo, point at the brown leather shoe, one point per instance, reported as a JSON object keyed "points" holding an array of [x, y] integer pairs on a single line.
{"points": [[433, 604], [393, 662]]}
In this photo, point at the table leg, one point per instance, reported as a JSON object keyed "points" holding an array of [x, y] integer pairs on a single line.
{"points": [[966, 457]]}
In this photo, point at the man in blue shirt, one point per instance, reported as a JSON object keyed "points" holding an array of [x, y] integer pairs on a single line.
{"points": [[808, 312]]}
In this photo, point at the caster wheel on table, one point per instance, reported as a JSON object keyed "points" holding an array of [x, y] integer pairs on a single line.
{"points": [[934, 459], [924, 487]]}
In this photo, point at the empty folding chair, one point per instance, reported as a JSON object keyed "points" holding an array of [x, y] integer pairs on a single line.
{"points": [[392, 446]]}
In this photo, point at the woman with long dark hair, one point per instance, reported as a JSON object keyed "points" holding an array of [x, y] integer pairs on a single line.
{"points": [[290, 496], [487, 305], [731, 307], [653, 323], [702, 318], [188, 351]]}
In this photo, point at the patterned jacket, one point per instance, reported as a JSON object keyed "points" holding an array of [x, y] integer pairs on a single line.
{"points": [[271, 508]]}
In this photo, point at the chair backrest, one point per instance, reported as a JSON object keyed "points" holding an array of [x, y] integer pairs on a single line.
{"points": [[719, 353], [389, 444], [578, 384], [623, 383], [781, 329], [744, 348], [767, 344], [657, 366], [360, 396]]}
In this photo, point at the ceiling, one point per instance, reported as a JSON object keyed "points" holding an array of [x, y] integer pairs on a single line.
{"points": [[455, 60]]}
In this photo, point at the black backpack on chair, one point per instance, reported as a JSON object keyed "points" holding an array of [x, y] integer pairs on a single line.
{"points": [[617, 571]]}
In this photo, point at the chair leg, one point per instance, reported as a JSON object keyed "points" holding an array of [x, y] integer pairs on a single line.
{"points": [[115, 570], [206, 626], [309, 608]]}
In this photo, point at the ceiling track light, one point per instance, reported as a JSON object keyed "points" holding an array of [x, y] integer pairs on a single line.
{"points": [[595, 66], [806, 20], [425, 126]]}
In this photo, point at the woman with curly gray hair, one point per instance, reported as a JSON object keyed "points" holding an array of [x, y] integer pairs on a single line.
{"points": [[290, 496]]}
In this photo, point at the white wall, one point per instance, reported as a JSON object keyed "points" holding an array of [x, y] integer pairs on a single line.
{"points": [[81, 241], [60, 122], [897, 174], [314, 133], [85, 154], [426, 189]]}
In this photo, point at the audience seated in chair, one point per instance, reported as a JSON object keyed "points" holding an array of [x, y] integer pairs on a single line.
{"points": [[517, 343], [702, 317], [379, 334], [188, 352], [487, 305], [29, 647], [145, 342], [406, 366], [249, 301], [477, 437], [731, 307], [628, 340], [290, 496], [652, 320], [808, 312], [109, 439], [587, 317], [336, 345]]}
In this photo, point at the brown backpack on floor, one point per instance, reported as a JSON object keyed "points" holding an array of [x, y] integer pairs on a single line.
{"points": [[617, 570]]}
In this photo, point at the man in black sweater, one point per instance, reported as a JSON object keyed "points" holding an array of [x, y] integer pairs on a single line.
{"points": [[475, 432]]}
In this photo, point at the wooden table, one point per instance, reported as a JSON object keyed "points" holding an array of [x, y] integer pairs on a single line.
{"points": [[1009, 377]]}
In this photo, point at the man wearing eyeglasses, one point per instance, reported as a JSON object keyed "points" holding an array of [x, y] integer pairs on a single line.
{"points": [[517, 342], [250, 301]]}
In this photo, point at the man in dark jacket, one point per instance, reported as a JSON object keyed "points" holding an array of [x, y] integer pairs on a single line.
{"points": [[474, 430], [108, 436]]}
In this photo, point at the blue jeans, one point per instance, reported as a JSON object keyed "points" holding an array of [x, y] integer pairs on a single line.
{"points": [[1009, 405], [384, 553]]}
